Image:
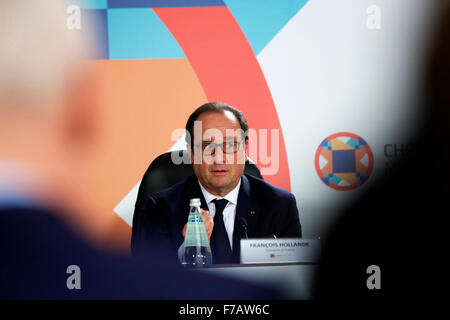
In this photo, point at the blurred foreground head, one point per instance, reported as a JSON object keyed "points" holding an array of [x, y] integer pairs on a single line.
{"points": [[396, 225], [437, 80], [46, 105]]}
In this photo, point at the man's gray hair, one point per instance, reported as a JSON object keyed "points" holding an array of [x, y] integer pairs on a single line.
{"points": [[39, 54]]}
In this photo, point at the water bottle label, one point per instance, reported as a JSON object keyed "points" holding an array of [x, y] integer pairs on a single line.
{"points": [[196, 232], [195, 219]]}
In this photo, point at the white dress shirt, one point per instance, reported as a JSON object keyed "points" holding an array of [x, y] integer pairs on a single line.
{"points": [[229, 212]]}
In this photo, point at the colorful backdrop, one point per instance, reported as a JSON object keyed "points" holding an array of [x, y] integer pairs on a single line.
{"points": [[339, 91]]}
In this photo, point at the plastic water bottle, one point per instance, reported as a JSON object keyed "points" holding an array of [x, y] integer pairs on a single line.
{"points": [[197, 252]]}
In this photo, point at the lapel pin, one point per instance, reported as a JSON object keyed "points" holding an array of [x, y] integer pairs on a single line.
{"points": [[252, 212]]}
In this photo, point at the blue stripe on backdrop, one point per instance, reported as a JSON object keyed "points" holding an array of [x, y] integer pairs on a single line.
{"points": [[163, 3], [90, 4], [262, 20], [139, 34]]}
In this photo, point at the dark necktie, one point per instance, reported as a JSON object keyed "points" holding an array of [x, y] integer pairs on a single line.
{"points": [[220, 244]]}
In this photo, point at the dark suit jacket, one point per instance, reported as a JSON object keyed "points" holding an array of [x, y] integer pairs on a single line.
{"points": [[268, 210]]}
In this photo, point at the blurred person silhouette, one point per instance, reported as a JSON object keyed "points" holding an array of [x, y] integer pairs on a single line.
{"points": [[47, 125], [397, 224]]}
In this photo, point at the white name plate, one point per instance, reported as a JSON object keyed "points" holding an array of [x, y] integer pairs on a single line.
{"points": [[280, 250]]}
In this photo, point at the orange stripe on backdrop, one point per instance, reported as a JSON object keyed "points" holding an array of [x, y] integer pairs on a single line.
{"points": [[141, 103], [228, 70]]}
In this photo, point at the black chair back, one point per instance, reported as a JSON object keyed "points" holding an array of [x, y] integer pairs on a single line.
{"points": [[163, 172]]}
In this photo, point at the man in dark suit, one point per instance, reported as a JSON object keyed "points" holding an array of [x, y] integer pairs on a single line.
{"points": [[218, 152]]}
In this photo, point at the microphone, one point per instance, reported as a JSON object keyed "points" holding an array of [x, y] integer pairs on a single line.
{"points": [[242, 222]]}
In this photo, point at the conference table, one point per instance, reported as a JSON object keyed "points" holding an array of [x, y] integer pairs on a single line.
{"points": [[294, 280]]}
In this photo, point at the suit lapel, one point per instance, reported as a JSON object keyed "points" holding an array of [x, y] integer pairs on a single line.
{"points": [[193, 191], [248, 209]]}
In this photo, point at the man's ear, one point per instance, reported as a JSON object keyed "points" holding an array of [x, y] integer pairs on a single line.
{"points": [[246, 149], [189, 150]]}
